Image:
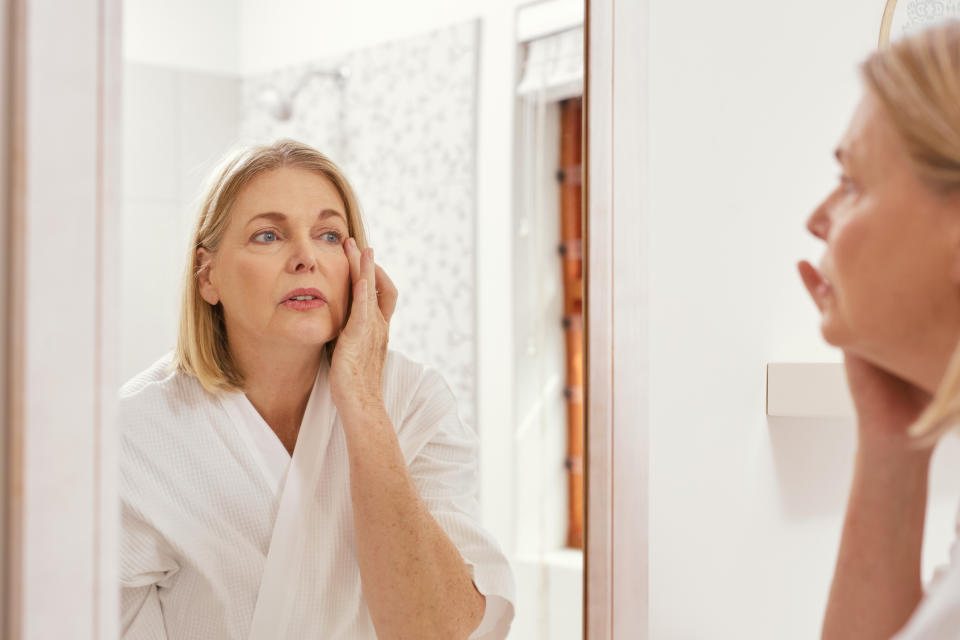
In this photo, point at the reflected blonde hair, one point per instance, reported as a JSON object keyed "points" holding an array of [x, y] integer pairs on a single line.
{"points": [[202, 350], [917, 79]]}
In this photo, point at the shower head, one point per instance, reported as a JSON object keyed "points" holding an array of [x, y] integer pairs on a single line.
{"points": [[277, 106], [280, 107]]}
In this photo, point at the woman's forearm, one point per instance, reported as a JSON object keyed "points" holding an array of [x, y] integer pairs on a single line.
{"points": [[877, 584], [414, 580]]}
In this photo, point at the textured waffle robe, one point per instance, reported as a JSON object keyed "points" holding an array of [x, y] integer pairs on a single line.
{"points": [[223, 535], [937, 617]]}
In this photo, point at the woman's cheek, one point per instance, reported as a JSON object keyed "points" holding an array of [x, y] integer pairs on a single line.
{"points": [[854, 277], [843, 249]]}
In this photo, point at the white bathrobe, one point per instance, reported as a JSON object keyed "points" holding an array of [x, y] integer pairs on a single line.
{"points": [[224, 536], [938, 615]]}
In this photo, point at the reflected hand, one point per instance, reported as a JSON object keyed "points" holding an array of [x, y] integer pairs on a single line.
{"points": [[356, 370]]}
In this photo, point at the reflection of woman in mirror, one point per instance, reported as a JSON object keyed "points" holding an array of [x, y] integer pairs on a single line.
{"points": [[369, 526], [888, 289]]}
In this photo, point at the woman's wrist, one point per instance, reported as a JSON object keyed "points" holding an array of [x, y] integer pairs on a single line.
{"points": [[894, 447], [901, 466], [361, 412]]}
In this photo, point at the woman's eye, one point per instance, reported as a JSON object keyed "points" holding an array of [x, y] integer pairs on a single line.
{"points": [[846, 185], [265, 236], [332, 237]]}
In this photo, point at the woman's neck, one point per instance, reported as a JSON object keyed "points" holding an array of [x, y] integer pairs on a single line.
{"points": [[923, 362], [278, 381]]}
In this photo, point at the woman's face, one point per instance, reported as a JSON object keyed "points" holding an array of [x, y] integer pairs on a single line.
{"points": [[888, 279], [284, 240]]}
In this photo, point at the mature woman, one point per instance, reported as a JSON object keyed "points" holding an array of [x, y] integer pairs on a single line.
{"points": [[888, 289], [282, 474]]}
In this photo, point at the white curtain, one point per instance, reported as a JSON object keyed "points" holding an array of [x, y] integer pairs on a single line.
{"points": [[553, 66]]}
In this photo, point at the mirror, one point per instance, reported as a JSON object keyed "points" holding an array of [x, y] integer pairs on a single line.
{"points": [[906, 16], [459, 129]]}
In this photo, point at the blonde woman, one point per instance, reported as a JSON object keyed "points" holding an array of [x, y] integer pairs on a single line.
{"points": [[282, 474], [888, 289]]}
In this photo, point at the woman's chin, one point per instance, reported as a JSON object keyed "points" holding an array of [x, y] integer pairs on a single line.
{"points": [[834, 332], [310, 335]]}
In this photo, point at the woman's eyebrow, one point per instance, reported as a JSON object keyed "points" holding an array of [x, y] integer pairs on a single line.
{"points": [[278, 217]]}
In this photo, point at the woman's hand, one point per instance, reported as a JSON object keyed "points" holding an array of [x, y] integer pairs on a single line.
{"points": [[886, 407], [356, 370], [886, 404]]}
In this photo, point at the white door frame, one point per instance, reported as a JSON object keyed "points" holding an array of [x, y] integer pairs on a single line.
{"points": [[616, 576], [62, 160]]}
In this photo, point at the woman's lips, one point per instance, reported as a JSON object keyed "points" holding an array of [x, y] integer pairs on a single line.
{"points": [[303, 305]]}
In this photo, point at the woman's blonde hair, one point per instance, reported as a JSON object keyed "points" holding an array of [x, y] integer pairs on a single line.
{"points": [[202, 350], [917, 79]]}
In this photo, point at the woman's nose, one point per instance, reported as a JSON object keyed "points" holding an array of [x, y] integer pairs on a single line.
{"points": [[819, 222], [302, 257]]}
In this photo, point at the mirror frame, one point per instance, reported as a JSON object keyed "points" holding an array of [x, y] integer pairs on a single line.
{"points": [[617, 393], [886, 23], [616, 580]]}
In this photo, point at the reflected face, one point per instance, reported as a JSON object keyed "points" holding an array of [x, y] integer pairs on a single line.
{"points": [[280, 271], [889, 271]]}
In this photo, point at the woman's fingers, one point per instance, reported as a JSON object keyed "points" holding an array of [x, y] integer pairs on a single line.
{"points": [[354, 257], [386, 293], [379, 288], [361, 302], [811, 280], [363, 269], [368, 267]]}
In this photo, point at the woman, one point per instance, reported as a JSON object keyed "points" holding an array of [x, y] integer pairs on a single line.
{"points": [[282, 474], [888, 288]]}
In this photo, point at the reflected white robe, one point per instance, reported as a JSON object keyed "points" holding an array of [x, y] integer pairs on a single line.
{"points": [[202, 479]]}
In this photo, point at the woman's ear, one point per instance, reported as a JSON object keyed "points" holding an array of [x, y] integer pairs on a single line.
{"points": [[205, 281]]}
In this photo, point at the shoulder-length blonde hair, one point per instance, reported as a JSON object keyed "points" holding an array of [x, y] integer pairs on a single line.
{"points": [[917, 79], [202, 350]]}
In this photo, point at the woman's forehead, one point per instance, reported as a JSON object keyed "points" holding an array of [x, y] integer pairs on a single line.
{"points": [[870, 140], [291, 193]]}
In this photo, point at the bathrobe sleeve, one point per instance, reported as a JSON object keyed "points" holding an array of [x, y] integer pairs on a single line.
{"points": [[143, 565], [937, 617], [146, 559], [444, 471]]}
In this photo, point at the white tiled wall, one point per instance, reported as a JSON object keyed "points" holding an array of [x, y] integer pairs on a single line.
{"points": [[177, 124]]}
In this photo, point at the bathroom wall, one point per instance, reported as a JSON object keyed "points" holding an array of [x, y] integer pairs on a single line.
{"points": [[747, 103], [181, 112], [177, 123], [202, 36]]}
